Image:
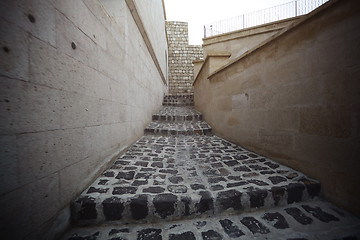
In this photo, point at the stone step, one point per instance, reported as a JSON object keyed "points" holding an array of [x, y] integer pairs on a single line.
{"points": [[306, 221], [163, 178], [178, 128], [178, 100], [172, 114]]}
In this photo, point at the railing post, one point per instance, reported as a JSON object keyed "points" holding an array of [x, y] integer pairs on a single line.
{"points": [[243, 21], [204, 31], [295, 8]]}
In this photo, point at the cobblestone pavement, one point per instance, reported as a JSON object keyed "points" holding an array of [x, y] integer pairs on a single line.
{"points": [[179, 100], [181, 182], [180, 176], [178, 121], [313, 220]]}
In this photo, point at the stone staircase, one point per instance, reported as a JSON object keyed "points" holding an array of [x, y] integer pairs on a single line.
{"points": [[179, 181]]}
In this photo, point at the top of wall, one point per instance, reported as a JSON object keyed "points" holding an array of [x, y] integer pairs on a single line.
{"points": [[281, 33], [269, 27]]}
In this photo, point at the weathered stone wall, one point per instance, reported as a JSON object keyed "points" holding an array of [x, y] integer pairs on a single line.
{"points": [[78, 85], [296, 99], [181, 55]]}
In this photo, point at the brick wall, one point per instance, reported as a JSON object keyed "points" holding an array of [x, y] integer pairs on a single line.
{"points": [[181, 55]]}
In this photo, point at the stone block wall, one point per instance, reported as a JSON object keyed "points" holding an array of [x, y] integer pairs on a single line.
{"points": [[181, 55], [78, 86], [295, 98]]}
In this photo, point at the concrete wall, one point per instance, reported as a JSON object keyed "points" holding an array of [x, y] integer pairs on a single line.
{"points": [[238, 42], [296, 99], [78, 85], [181, 56]]}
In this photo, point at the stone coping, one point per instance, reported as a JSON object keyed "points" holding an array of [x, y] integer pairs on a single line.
{"points": [[207, 59], [259, 29]]}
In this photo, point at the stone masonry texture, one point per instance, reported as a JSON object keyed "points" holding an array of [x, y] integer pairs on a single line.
{"points": [[199, 186], [181, 55]]}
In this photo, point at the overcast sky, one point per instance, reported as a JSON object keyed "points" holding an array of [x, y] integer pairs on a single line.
{"points": [[200, 12]]}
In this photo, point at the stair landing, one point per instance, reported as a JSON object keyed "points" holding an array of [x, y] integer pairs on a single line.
{"points": [[178, 177]]}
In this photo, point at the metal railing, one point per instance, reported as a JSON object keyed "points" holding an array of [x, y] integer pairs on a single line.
{"points": [[276, 13]]}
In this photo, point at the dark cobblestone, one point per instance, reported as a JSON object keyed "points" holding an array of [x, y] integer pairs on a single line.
{"points": [[154, 190], [126, 175], [150, 234], [103, 181], [254, 225], [109, 174], [216, 180], [186, 201], [122, 230], [229, 199], [124, 190], [295, 192], [176, 179], [277, 179], [211, 235], [197, 186], [276, 219], [206, 202], [272, 165], [113, 208], [312, 187], [320, 214], [182, 236], [298, 215], [242, 169], [140, 182], [88, 208], [236, 184], [97, 190], [171, 171], [230, 229], [177, 188], [257, 198], [89, 237], [165, 204], [139, 207], [216, 187], [258, 182], [277, 193]]}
